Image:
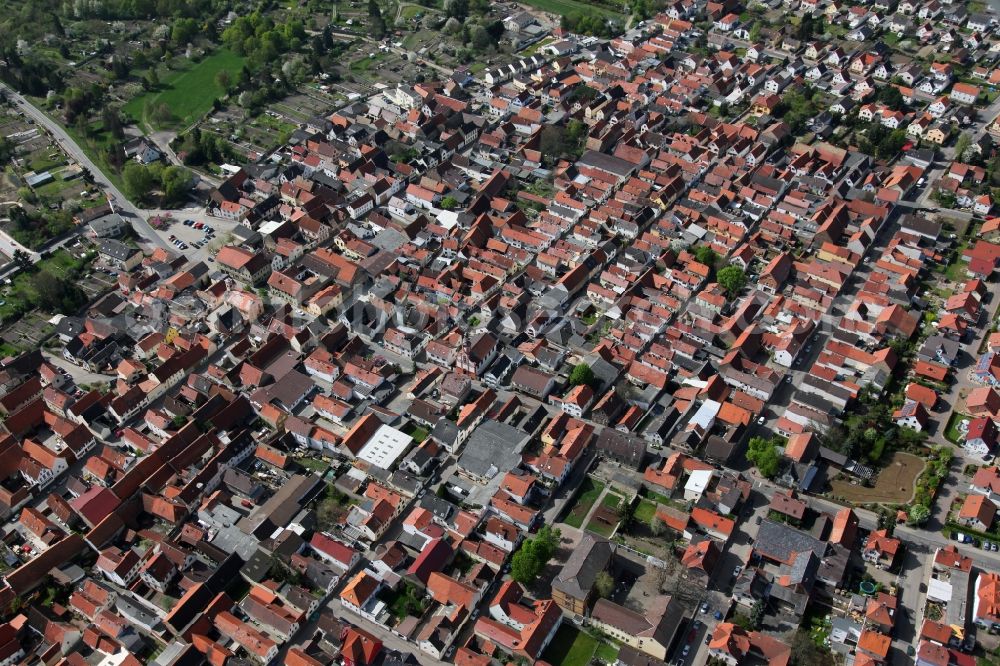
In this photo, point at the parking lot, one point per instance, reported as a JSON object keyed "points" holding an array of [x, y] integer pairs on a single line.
{"points": [[191, 234], [196, 243]]}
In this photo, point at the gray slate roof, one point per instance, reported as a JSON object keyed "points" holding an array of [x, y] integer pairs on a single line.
{"points": [[590, 558]]}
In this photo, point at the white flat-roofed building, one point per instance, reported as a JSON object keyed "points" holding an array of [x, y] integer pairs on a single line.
{"points": [[697, 484], [385, 447]]}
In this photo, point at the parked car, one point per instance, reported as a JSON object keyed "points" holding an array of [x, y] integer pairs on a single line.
{"points": [[704, 607]]}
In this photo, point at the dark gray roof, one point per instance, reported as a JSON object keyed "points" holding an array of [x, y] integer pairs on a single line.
{"points": [[493, 448], [779, 542], [591, 556], [441, 508], [116, 249], [622, 446], [608, 163], [256, 569], [445, 432]]}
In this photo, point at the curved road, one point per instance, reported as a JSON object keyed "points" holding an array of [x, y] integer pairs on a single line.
{"points": [[119, 202]]}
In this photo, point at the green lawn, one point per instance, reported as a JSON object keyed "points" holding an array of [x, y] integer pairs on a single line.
{"points": [[951, 431], [656, 497], [46, 160], [411, 11], [645, 511], [957, 270], [564, 7], [313, 464], [531, 50], [589, 493], [364, 64], [189, 92], [418, 433], [62, 263], [601, 529], [611, 500], [607, 653], [570, 647]]}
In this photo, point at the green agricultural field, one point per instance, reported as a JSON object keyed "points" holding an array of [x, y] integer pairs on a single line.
{"points": [[189, 92], [564, 7]]}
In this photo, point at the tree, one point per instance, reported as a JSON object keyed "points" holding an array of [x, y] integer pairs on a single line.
{"points": [[480, 38], [448, 203], [56, 294], [376, 24], [529, 561], [151, 80], [805, 652], [176, 183], [524, 566], [224, 80], [732, 279], [22, 259], [656, 526], [112, 122], [763, 453], [626, 513], [757, 615], [604, 584], [706, 255], [891, 97], [918, 514], [332, 509], [139, 181], [581, 374], [281, 572], [962, 145], [184, 31], [7, 148], [457, 9], [562, 141]]}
